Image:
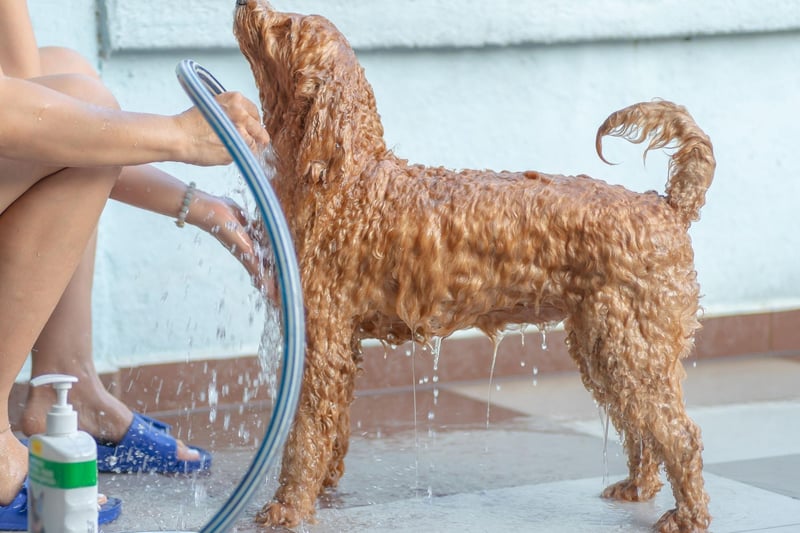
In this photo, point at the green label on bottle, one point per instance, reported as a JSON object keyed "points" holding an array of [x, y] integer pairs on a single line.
{"points": [[62, 475]]}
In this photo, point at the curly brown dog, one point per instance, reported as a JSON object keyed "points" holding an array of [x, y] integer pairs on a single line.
{"points": [[391, 250]]}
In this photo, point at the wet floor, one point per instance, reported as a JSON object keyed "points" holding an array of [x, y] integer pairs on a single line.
{"points": [[539, 466]]}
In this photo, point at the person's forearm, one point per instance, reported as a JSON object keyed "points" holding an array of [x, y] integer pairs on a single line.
{"points": [[50, 127], [19, 54], [147, 187]]}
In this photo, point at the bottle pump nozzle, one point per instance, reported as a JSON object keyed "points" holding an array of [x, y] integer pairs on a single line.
{"points": [[61, 419]]}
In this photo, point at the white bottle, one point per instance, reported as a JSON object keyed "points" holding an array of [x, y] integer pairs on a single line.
{"points": [[62, 491]]}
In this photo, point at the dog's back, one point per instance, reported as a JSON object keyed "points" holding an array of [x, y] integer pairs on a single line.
{"points": [[447, 250]]}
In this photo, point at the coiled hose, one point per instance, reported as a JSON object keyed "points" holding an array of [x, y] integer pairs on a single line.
{"points": [[201, 87]]}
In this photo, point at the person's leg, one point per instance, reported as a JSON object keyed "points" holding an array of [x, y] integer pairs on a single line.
{"points": [[65, 343], [45, 224], [47, 216], [65, 347]]}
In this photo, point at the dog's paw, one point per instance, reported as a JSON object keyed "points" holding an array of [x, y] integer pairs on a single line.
{"points": [[674, 521], [279, 514], [630, 491]]}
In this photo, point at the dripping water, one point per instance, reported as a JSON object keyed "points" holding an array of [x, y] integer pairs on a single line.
{"points": [[603, 412], [543, 330], [436, 349], [496, 339], [414, 403], [522, 330]]}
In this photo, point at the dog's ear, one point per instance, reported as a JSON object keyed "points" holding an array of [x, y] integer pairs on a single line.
{"points": [[335, 127], [281, 34], [326, 136], [342, 131]]}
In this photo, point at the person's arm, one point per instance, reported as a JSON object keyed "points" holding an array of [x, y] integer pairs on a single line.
{"points": [[48, 126], [19, 54], [147, 187]]}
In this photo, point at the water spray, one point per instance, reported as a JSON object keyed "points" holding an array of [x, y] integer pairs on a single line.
{"points": [[201, 87]]}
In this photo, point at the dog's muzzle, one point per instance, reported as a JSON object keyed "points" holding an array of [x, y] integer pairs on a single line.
{"points": [[241, 2]]}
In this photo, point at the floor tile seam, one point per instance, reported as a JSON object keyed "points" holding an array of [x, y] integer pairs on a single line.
{"points": [[602, 481], [756, 459]]}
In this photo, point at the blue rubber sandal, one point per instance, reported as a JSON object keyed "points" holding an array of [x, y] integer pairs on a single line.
{"points": [[147, 448], [14, 516], [156, 424]]}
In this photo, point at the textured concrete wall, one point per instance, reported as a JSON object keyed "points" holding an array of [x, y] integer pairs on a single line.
{"points": [[504, 85]]}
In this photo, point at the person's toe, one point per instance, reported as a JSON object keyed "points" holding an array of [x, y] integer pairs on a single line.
{"points": [[184, 453]]}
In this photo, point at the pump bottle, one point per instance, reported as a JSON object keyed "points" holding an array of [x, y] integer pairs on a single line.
{"points": [[62, 491]]}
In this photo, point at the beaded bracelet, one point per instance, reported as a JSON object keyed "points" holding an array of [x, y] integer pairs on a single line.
{"points": [[187, 199]]}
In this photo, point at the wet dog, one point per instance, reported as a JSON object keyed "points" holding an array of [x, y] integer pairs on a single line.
{"points": [[395, 251]]}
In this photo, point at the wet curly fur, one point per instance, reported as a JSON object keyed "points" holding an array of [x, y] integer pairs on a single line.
{"points": [[395, 251]]}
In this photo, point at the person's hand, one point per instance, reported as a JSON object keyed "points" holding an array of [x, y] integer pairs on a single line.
{"points": [[204, 147], [227, 222]]}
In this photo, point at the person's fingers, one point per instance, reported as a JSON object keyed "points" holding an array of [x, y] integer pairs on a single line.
{"points": [[235, 237], [245, 117], [238, 211]]}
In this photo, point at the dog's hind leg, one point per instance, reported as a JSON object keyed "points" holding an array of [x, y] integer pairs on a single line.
{"points": [[629, 358], [657, 430], [680, 443], [312, 443], [643, 480]]}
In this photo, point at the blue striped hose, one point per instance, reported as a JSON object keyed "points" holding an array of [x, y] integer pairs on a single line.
{"points": [[201, 87]]}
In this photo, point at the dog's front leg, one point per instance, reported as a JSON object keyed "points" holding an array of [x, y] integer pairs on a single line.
{"points": [[312, 443]]}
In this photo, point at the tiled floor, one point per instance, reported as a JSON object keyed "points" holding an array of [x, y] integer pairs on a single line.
{"points": [[539, 466]]}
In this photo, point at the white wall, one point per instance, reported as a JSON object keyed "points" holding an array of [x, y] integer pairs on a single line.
{"points": [[512, 84]]}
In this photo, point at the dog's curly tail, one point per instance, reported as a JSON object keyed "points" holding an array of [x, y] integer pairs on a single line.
{"points": [[668, 125]]}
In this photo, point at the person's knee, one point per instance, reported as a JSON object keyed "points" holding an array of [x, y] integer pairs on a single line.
{"points": [[67, 71], [61, 60], [82, 87]]}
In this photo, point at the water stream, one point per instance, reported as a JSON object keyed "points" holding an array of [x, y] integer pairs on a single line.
{"points": [[496, 340]]}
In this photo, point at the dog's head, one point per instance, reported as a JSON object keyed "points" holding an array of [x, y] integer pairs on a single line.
{"points": [[318, 107]]}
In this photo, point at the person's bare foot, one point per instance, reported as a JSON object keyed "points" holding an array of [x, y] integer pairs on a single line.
{"points": [[100, 414], [13, 466]]}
